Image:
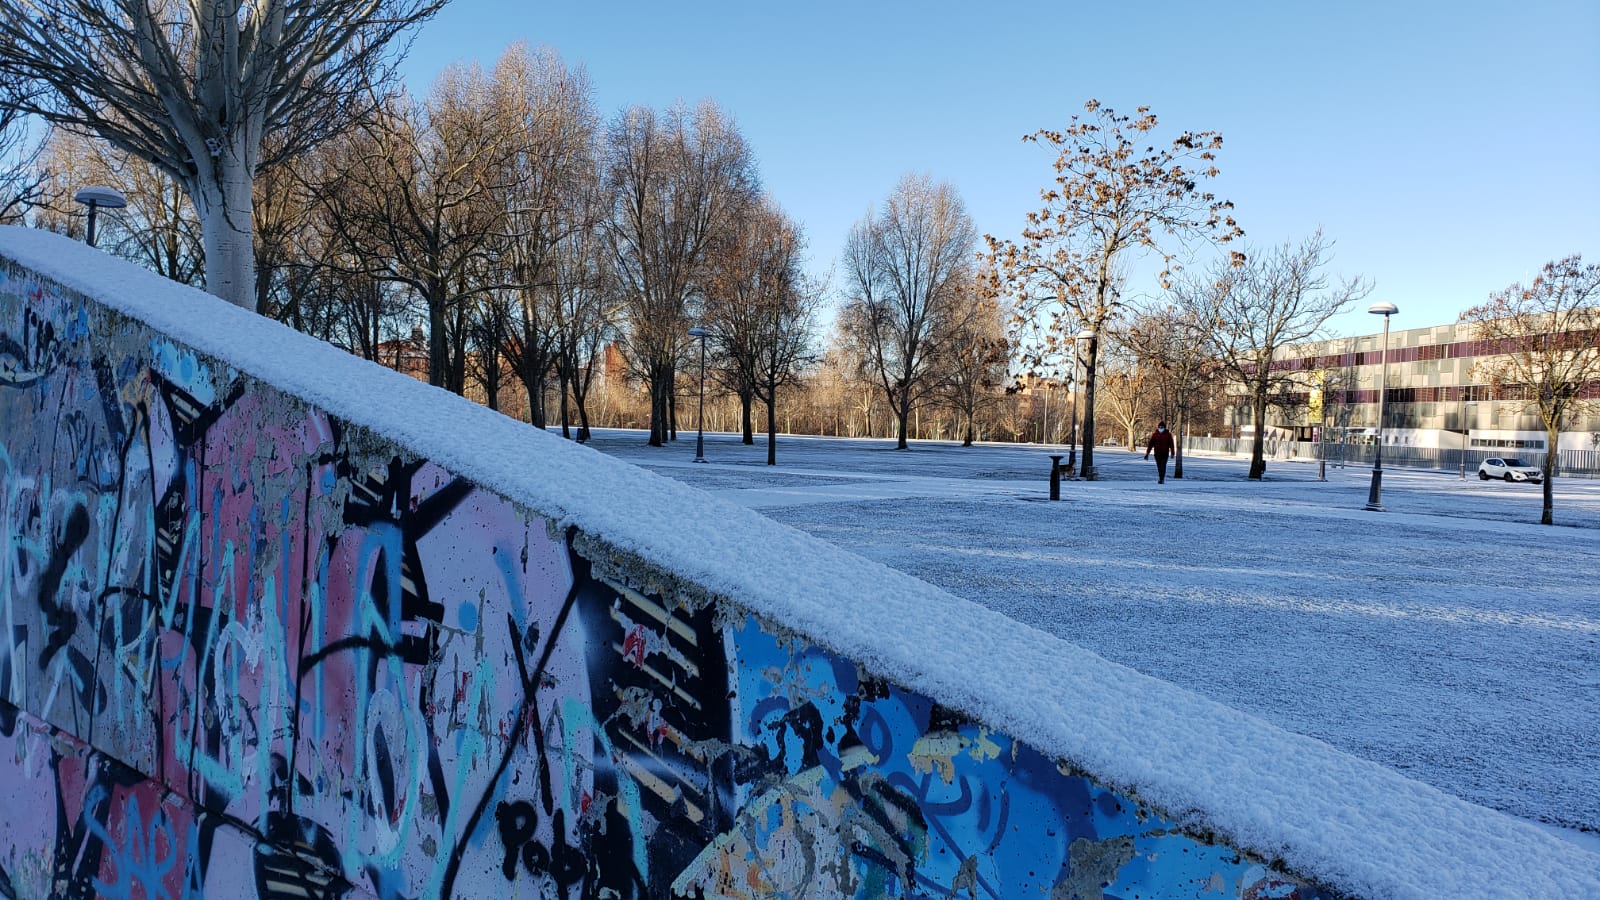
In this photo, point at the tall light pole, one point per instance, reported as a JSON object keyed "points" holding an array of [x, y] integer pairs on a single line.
{"points": [[1322, 429], [1375, 493], [95, 198], [1072, 452], [1466, 431], [700, 426]]}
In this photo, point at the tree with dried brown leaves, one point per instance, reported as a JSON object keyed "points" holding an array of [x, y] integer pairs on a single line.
{"points": [[1546, 335], [1117, 193]]}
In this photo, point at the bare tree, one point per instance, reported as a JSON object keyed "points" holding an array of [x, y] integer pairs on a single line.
{"points": [[487, 329], [906, 269], [1545, 339], [781, 329], [1253, 310], [676, 181], [549, 197], [586, 309], [283, 219], [845, 379], [1114, 194], [1170, 344], [416, 198], [974, 363], [348, 307], [1331, 405], [327, 287], [759, 311], [1127, 388], [200, 89], [21, 180]]}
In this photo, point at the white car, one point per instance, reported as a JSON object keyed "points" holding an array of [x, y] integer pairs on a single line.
{"points": [[1510, 468]]}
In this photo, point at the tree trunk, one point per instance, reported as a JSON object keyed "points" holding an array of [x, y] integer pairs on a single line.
{"points": [[222, 200], [1552, 440], [561, 379], [902, 418], [580, 399], [660, 390], [438, 351], [772, 427], [746, 400], [1179, 432], [457, 382], [1258, 444], [491, 379], [583, 423], [670, 379]]}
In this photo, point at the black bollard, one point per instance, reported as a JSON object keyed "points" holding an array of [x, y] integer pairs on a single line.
{"points": [[1055, 478]]}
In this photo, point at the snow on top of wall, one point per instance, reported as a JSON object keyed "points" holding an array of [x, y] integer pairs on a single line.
{"points": [[1350, 823]]}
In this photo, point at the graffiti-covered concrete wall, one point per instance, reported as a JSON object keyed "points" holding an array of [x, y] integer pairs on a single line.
{"points": [[250, 647]]}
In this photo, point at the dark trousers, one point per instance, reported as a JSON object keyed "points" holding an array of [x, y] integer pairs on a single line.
{"points": [[1161, 467]]}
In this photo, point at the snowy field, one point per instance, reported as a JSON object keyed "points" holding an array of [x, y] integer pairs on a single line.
{"points": [[1450, 638]]}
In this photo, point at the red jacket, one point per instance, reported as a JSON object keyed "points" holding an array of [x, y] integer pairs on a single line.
{"points": [[1160, 442]]}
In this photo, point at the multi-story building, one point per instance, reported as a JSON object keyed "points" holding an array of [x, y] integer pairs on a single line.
{"points": [[1437, 397]]}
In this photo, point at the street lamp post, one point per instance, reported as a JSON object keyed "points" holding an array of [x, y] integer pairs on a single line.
{"points": [[1072, 413], [95, 198], [1072, 451], [1466, 432], [1322, 434], [700, 425], [1375, 493]]}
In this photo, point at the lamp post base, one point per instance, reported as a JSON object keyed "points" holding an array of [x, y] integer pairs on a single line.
{"points": [[1375, 493]]}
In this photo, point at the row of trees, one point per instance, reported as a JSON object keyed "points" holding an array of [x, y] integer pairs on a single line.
{"points": [[528, 234], [501, 212]]}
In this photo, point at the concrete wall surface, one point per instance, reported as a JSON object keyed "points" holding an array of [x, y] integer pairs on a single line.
{"points": [[249, 647]]}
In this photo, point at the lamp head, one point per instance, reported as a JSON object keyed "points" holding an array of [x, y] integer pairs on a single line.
{"points": [[99, 195], [1383, 309], [698, 332]]}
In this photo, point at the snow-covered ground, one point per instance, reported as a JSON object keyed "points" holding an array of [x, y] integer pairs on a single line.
{"points": [[1451, 637]]}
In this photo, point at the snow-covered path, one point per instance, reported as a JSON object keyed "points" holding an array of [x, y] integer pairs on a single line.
{"points": [[1449, 638]]}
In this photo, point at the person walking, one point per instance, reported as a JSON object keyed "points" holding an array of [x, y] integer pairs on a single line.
{"points": [[1161, 442]]}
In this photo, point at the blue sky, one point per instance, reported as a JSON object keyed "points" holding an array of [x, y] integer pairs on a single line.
{"points": [[1448, 148]]}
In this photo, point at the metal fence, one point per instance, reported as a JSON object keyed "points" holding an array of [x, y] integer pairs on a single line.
{"points": [[1569, 463]]}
